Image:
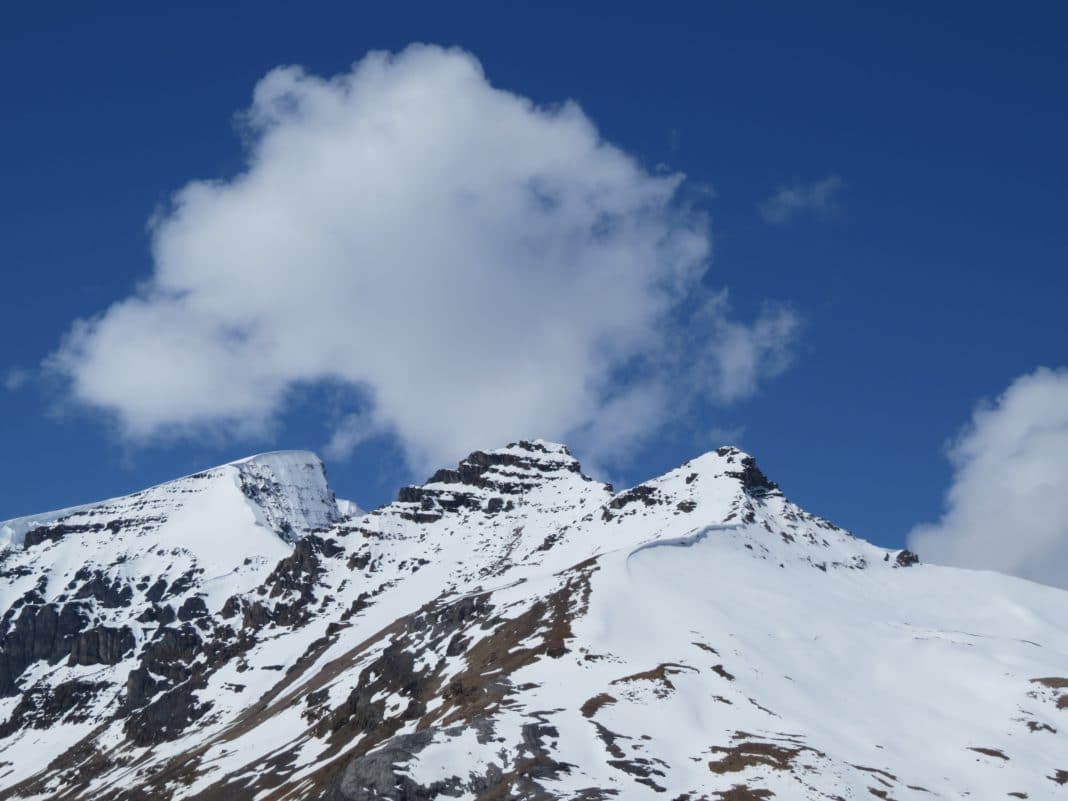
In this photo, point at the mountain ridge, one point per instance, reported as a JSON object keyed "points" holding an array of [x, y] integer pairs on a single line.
{"points": [[513, 628], [13, 530]]}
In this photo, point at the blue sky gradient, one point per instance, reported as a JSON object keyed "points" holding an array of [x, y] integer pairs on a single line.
{"points": [[938, 278]]}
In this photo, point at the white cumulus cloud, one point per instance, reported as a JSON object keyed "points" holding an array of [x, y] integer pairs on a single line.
{"points": [[475, 267], [818, 198], [1007, 508]]}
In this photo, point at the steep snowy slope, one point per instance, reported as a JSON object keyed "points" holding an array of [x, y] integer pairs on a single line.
{"points": [[83, 590], [512, 628]]}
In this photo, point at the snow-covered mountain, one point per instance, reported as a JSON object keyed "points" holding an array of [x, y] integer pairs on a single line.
{"points": [[511, 629]]}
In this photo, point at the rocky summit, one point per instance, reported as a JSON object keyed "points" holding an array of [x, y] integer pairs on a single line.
{"points": [[511, 629]]}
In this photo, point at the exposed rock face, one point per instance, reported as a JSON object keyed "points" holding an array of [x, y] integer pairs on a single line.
{"points": [[290, 491], [103, 645], [42, 704], [486, 481], [44, 632], [510, 629], [374, 776], [751, 476], [906, 558]]}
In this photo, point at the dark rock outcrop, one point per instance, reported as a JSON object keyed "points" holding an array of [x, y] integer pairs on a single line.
{"points": [[41, 631], [752, 477], [906, 558], [103, 645], [43, 705]]}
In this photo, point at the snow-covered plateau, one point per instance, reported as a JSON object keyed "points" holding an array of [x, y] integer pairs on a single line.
{"points": [[511, 629]]}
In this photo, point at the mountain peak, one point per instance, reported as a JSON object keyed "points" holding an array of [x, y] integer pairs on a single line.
{"points": [[524, 461], [285, 456], [719, 481], [735, 463], [285, 492], [486, 479], [290, 489]]}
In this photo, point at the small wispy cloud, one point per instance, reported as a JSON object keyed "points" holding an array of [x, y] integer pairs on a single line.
{"points": [[737, 356], [818, 198], [16, 378], [352, 431]]}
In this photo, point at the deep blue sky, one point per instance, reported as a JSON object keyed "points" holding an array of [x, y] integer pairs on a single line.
{"points": [[942, 278]]}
